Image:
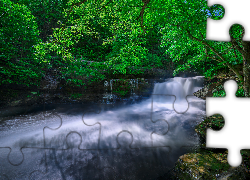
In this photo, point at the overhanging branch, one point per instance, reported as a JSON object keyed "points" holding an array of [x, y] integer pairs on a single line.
{"points": [[221, 59], [146, 2]]}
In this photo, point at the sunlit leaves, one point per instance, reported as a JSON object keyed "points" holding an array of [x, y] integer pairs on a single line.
{"points": [[18, 35], [91, 39]]}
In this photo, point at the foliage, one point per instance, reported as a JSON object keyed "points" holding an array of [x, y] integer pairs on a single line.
{"points": [[76, 95], [18, 34], [48, 14], [89, 41], [188, 47], [102, 33], [121, 92], [222, 93], [122, 87]]}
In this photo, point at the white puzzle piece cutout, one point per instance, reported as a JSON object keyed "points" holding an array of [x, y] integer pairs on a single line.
{"points": [[235, 134], [236, 12]]}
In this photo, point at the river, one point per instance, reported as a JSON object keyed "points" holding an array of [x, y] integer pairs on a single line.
{"points": [[89, 141]]}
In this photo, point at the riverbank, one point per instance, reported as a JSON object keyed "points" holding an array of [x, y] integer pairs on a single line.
{"points": [[137, 116], [96, 93], [53, 91], [209, 163], [201, 163]]}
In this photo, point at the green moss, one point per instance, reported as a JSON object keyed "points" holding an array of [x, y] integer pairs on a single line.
{"points": [[215, 122], [205, 165], [221, 93]]}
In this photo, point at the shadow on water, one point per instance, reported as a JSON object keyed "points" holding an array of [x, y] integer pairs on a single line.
{"points": [[123, 162], [137, 141]]}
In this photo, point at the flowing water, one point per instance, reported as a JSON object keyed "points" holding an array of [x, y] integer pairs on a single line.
{"points": [[137, 141]]}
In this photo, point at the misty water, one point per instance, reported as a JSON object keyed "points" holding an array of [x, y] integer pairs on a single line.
{"points": [[86, 141]]}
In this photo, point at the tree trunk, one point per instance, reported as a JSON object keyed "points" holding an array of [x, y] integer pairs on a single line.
{"points": [[246, 77], [246, 67]]}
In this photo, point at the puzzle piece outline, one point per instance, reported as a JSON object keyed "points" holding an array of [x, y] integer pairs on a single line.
{"points": [[214, 139], [61, 122], [218, 30], [100, 124], [109, 149]]}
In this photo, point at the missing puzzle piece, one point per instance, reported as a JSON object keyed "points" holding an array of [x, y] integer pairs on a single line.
{"points": [[235, 134], [236, 12]]}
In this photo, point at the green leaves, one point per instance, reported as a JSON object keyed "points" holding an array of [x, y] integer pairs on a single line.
{"points": [[91, 40], [18, 32]]}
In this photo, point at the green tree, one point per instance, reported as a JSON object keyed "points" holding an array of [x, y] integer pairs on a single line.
{"points": [[48, 14], [185, 34], [117, 37], [106, 34], [18, 35]]}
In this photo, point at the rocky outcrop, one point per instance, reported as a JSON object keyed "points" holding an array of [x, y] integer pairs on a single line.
{"points": [[59, 93], [208, 163], [212, 85]]}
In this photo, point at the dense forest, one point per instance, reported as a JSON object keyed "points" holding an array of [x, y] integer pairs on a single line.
{"points": [[83, 43], [86, 41]]}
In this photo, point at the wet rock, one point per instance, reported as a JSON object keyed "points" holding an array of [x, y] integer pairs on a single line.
{"points": [[205, 165], [211, 163]]}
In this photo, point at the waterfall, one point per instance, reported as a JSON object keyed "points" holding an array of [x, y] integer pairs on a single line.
{"points": [[179, 87], [150, 134], [110, 98]]}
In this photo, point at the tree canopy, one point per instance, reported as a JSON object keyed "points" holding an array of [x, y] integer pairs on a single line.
{"points": [[89, 40]]}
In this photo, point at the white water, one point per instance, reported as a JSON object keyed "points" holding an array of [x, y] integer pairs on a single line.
{"points": [[172, 131], [181, 88]]}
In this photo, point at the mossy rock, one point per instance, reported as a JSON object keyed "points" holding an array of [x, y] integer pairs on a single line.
{"points": [[205, 165], [215, 122]]}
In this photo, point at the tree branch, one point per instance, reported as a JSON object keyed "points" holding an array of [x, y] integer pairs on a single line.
{"points": [[235, 55], [222, 59], [236, 45], [146, 2]]}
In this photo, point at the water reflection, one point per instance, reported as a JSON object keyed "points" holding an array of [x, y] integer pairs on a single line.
{"points": [[139, 141]]}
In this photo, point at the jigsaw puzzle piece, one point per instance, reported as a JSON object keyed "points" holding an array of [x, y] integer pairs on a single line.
{"points": [[151, 131], [195, 104], [187, 99], [33, 160], [56, 138], [179, 168], [73, 162], [175, 92], [132, 118], [125, 162], [235, 112], [235, 13], [179, 108], [180, 126], [27, 135]]}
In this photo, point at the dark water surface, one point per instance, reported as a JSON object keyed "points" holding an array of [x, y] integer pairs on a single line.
{"points": [[89, 141]]}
